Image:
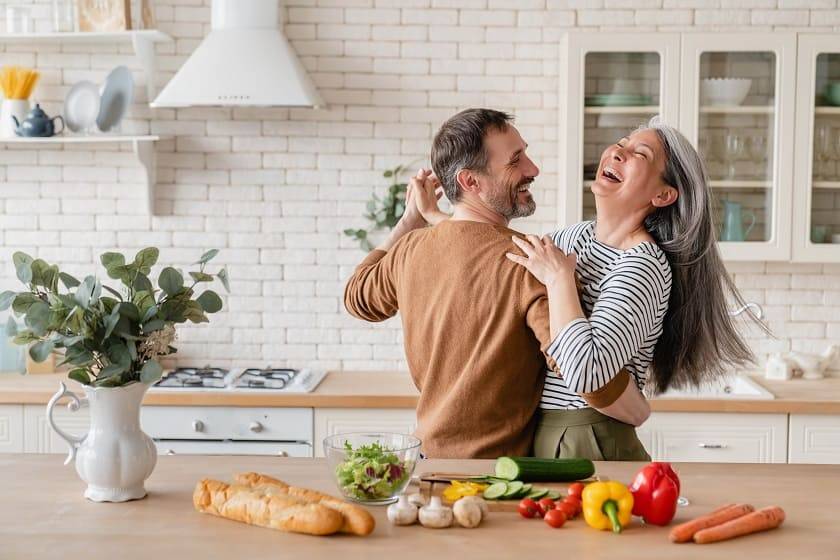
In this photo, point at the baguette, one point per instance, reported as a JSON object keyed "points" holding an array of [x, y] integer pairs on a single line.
{"points": [[357, 520], [282, 512]]}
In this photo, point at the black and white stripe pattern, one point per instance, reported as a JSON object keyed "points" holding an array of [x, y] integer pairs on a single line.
{"points": [[625, 297]]}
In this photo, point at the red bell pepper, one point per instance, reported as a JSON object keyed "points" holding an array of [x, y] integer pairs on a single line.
{"points": [[655, 491]]}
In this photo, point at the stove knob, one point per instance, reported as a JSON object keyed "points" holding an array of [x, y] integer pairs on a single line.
{"points": [[198, 426], [282, 453], [255, 427], [170, 452]]}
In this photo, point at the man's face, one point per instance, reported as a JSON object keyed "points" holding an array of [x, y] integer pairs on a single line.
{"points": [[505, 187]]}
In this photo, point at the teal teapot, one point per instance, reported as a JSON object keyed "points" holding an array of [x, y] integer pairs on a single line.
{"points": [[37, 124]]}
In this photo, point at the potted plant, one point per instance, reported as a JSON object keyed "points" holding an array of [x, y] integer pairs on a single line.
{"points": [[113, 340]]}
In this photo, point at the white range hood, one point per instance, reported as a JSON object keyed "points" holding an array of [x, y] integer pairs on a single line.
{"points": [[244, 61]]}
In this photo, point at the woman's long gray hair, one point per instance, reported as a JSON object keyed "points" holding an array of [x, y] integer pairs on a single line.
{"points": [[699, 339]]}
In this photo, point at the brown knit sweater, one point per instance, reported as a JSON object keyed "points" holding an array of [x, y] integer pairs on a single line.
{"points": [[476, 327]]}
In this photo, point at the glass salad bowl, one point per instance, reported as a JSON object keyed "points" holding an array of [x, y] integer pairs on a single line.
{"points": [[371, 468]]}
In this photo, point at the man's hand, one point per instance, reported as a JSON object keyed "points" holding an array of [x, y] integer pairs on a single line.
{"points": [[412, 218], [426, 195]]}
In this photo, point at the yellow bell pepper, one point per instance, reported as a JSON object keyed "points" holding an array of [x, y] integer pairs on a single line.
{"points": [[607, 505], [458, 489]]}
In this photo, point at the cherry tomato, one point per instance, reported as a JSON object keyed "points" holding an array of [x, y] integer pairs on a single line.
{"points": [[528, 508], [576, 489], [546, 505], [567, 508], [555, 518], [574, 500]]}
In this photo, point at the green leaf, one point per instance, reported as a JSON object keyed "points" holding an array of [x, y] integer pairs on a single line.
{"points": [[113, 291], [143, 284], [195, 313], [388, 174], [6, 299], [145, 259], [39, 271], [23, 301], [129, 311], [23, 266], [149, 313], [25, 337], [11, 327], [132, 350], [153, 325], [81, 375], [201, 276], [111, 321], [111, 261], [206, 257], [85, 291], [111, 370], [69, 282], [40, 351], [150, 372], [210, 301], [38, 318], [170, 281], [224, 279]]}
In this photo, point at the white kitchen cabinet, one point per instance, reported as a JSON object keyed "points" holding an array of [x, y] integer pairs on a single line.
{"points": [[716, 437], [816, 196], [39, 437], [330, 421], [11, 428], [612, 83], [814, 438]]}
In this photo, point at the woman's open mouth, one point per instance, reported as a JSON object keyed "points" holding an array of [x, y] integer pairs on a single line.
{"points": [[611, 175]]}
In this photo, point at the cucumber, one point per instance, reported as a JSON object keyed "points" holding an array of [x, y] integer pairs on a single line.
{"points": [[526, 489], [534, 469], [552, 494], [536, 493], [513, 489], [495, 491]]}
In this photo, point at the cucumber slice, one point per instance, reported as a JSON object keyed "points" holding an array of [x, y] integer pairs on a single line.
{"points": [[552, 494], [495, 491], [537, 493], [526, 489], [513, 489]]}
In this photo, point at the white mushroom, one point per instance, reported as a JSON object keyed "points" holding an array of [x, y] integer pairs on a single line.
{"points": [[435, 515], [417, 499], [478, 500], [467, 513], [403, 512]]}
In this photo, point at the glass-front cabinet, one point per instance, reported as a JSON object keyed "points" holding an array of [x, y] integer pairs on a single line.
{"points": [[610, 85], [736, 107], [731, 95], [816, 196]]}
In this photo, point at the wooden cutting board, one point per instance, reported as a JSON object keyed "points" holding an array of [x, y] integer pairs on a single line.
{"points": [[440, 481]]}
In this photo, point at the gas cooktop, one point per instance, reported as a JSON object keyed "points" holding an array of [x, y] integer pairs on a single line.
{"points": [[254, 379]]}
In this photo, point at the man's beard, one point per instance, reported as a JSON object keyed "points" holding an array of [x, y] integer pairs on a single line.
{"points": [[505, 201]]}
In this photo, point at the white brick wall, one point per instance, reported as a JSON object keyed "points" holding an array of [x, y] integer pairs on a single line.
{"points": [[274, 188]]}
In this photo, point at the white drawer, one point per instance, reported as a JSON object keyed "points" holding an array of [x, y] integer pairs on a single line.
{"points": [[716, 437], [223, 422], [180, 447], [814, 438]]}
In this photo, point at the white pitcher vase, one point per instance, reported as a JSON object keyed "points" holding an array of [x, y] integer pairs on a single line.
{"points": [[115, 457]]}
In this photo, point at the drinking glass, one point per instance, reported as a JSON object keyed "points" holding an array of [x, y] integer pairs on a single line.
{"points": [[758, 152], [734, 147], [822, 150]]}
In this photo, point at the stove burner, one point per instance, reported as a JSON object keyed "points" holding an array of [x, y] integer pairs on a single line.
{"points": [[268, 378], [206, 377]]}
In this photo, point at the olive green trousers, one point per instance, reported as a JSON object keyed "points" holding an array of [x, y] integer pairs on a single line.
{"points": [[588, 434]]}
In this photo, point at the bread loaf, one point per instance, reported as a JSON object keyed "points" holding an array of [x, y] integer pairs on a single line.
{"points": [[357, 520], [278, 511]]}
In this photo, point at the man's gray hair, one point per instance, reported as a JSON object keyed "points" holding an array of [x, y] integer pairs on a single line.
{"points": [[459, 144]]}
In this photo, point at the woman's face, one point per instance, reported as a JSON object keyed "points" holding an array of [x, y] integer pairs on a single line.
{"points": [[630, 173]]}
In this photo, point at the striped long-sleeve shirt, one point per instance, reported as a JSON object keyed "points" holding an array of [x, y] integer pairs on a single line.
{"points": [[624, 297]]}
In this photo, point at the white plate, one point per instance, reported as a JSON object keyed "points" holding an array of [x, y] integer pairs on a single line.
{"points": [[81, 106], [117, 94]]}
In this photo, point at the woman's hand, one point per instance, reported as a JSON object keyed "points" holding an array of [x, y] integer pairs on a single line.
{"points": [[426, 194], [544, 260]]}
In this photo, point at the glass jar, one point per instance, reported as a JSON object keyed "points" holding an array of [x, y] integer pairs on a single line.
{"points": [[64, 16]]}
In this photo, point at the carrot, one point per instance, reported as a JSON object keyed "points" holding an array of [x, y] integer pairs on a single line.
{"points": [[761, 520], [685, 531]]}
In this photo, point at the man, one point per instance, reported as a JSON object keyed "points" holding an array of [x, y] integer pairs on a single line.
{"points": [[476, 325]]}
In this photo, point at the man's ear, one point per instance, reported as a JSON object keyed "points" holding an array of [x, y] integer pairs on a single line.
{"points": [[467, 181], [665, 197]]}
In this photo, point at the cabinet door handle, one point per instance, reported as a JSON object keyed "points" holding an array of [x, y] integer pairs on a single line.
{"points": [[282, 453], [170, 452], [255, 427], [711, 445], [198, 426]]}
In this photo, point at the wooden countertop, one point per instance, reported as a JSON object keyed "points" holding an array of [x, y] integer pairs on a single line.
{"points": [[45, 516], [389, 389]]}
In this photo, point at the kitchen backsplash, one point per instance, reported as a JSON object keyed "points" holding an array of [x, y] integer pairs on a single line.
{"points": [[274, 188]]}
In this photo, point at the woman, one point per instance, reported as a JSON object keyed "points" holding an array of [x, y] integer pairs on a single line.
{"points": [[652, 300]]}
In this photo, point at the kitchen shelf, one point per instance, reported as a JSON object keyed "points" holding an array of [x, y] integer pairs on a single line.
{"points": [[827, 110], [740, 184], [827, 184], [143, 41], [143, 145], [738, 109], [622, 110]]}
